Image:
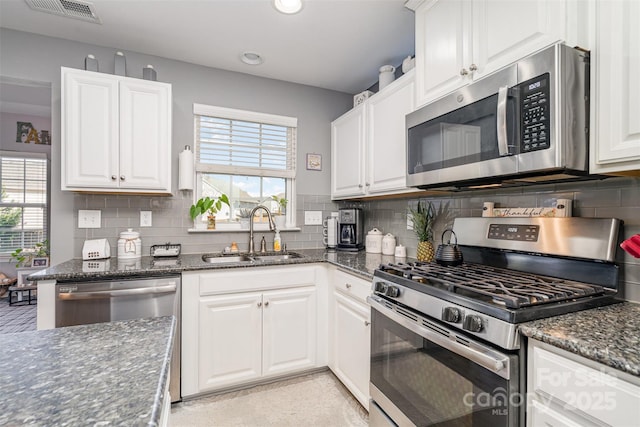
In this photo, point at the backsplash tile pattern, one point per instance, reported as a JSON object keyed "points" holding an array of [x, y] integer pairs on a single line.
{"points": [[609, 198], [613, 197]]}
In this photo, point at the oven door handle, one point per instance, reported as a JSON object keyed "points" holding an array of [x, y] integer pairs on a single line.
{"points": [[151, 290], [482, 355]]}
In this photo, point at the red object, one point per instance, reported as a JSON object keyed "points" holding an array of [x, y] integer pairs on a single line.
{"points": [[632, 245]]}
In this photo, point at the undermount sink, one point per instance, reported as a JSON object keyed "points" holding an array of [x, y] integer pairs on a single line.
{"points": [[277, 257], [246, 258], [225, 259]]}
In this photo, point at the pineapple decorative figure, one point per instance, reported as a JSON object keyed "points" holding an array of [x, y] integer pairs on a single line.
{"points": [[423, 218]]}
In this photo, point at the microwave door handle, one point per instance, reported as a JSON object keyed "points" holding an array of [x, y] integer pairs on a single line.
{"points": [[501, 121]]}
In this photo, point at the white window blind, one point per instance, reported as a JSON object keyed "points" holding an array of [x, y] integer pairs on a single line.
{"points": [[23, 206], [240, 142]]}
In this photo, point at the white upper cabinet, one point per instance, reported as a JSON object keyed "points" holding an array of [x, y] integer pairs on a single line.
{"points": [[368, 143], [615, 124], [458, 41], [116, 133]]}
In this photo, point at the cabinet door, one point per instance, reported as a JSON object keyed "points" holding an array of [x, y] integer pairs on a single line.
{"points": [[145, 129], [506, 30], [289, 330], [443, 48], [386, 136], [616, 88], [230, 340], [90, 124], [347, 154], [352, 346]]}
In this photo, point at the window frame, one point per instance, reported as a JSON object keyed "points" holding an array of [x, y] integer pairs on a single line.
{"points": [[46, 206], [288, 174]]}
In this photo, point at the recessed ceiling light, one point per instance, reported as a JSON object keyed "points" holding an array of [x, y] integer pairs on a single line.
{"points": [[251, 58], [288, 6]]}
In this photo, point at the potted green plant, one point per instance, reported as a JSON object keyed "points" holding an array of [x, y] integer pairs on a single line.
{"points": [[279, 214], [24, 256], [210, 206], [423, 218]]}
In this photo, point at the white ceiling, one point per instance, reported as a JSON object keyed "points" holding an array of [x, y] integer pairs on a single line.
{"points": [[333, 44]]}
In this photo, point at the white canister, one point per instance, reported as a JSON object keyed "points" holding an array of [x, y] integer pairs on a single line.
{"points": [[129, 245], [373, 242], [386, 76], [388, 244]]}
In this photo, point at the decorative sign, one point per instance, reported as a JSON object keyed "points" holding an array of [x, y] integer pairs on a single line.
{"points": [[27, 134], [314, 162], [526, 212]]}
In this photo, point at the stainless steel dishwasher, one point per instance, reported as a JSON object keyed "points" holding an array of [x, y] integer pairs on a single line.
{"points": [[81, 303]]}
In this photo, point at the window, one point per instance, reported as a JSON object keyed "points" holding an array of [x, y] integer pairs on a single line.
{"points": [[249, 156], [23, 206]]}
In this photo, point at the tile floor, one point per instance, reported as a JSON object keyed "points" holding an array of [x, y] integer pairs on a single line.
{"points": [[16, 318], [317, 400]]}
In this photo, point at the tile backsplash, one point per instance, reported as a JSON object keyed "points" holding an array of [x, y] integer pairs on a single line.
{"points": [[613, 197]]}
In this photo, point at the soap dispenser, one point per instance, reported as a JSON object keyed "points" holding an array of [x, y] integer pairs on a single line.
{"points": [[276, 241]]}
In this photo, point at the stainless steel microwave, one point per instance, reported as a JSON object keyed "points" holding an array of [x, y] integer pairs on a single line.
{"points": [[525, 123]]}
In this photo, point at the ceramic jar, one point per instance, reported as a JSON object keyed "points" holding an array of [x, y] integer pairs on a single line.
{"points": [[373, 242], [388, 244], [386, 76], [129, 245]]}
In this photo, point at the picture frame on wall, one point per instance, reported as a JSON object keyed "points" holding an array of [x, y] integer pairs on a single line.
{"points": [[314, 162]]}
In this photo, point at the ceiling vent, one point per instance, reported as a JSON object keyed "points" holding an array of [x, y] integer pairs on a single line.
{"points": [[78, 9]]}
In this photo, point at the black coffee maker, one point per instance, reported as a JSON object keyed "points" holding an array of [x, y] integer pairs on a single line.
{"points": [[350, 229]]}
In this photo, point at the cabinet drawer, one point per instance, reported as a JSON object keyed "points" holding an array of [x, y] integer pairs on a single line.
{"points": [[582, 389], [351, 285]]}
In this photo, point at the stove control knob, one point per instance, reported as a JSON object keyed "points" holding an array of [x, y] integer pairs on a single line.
{"points": [[472, 323], [381, 287], [451, 314], [392, 291]]}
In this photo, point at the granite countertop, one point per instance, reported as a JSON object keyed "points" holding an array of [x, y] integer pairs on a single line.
{"points": [[609, 335], [359, 263], [100, 374]]}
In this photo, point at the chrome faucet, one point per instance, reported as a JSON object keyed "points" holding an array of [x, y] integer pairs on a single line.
{"points": [[272, 225]]}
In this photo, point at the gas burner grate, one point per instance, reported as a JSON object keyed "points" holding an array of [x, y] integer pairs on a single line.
{"points": [[502, 287]]}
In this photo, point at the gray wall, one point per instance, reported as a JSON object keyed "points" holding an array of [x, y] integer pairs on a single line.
{"points": [[33, 57]]}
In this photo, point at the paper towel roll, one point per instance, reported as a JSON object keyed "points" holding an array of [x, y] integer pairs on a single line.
{"points": [[185, 169]]}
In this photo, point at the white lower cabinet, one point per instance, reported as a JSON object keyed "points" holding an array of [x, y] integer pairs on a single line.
{"points": [[244, 326], [350, 330], [564, 389]]}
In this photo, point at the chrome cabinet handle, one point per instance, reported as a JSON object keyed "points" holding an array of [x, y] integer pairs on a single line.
{"points": [[348, 285], [367, 184], [260, 304], [367, 323], [266, 303], [473, 67], [464, 72], [113, 178], [359, 185], [121, 177]]}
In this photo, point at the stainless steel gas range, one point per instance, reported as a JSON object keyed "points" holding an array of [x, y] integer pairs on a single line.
{"points": [[445, 344]]}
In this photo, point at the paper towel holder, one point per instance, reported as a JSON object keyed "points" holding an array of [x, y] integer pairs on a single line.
{"points": [[185, 173]]}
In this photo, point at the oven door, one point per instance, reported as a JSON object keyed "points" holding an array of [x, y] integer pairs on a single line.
{"points": [[467, 135], [424, 374]]}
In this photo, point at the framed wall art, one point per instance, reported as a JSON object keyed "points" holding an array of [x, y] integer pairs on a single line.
{"points": [[314, 162]]}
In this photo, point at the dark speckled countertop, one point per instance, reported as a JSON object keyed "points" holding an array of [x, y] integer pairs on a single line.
{"points": [[101, 374], [609, 335], [359, 263]]}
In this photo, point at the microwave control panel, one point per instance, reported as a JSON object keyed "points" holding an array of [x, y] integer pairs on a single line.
{"points": [[534, 109]]}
